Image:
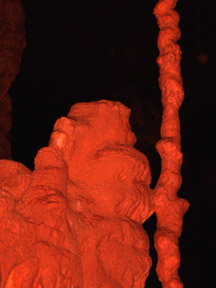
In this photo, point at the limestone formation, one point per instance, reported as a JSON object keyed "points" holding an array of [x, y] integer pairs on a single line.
{"points": [[76, 220]]}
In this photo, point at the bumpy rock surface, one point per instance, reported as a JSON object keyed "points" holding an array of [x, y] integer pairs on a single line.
{"points": [[169, 208], [12, 43], [76, 220]]}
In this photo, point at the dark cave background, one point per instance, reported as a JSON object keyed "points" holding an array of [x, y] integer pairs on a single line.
{"points": [[81, 51]]}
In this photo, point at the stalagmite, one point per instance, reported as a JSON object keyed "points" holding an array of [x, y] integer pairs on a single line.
{"points": [[77, 218]]}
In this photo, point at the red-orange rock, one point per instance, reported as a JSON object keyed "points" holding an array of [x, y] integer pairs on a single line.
{"points": [[169, 208], [76, 220]]}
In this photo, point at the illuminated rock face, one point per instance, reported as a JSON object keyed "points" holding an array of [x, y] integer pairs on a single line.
{"points": [[169, 208], [76, 220]]}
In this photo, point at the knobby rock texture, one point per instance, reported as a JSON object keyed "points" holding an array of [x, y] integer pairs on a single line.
{"points": [[76, 220], [12, 43], [169, 208]]}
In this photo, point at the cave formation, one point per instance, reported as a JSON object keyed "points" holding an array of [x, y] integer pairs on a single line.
{"points": [[76, 219]]}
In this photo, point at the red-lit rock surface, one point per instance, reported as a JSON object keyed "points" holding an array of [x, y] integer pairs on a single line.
{"points": [[12, 43], [169, 208], [77, 218]]}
